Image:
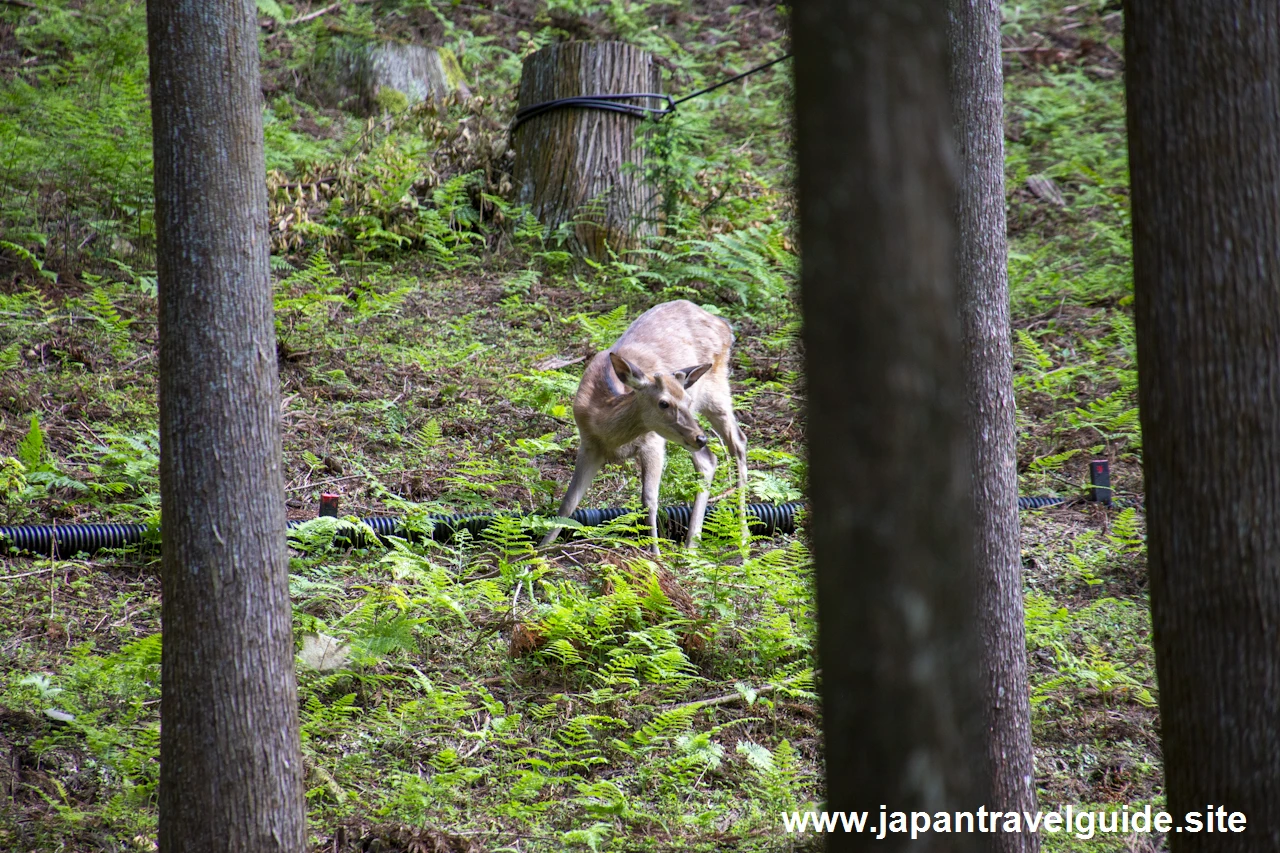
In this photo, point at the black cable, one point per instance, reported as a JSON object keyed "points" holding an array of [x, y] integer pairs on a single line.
{"points": [[596, 102], [611, 103], [768, 64]]}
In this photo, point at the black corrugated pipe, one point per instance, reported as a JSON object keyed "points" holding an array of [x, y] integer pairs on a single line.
{"points": [[764, 519], [69, 539], [1039, 501]]}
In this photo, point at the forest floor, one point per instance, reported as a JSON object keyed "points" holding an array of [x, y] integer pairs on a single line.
{"points": [[430, 338]]}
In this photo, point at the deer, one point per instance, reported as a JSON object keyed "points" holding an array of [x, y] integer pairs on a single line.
{"points": [[668, 367]]}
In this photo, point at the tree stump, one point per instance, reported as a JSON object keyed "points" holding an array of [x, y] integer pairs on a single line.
{"points": [[374, 76], [571, 163]]}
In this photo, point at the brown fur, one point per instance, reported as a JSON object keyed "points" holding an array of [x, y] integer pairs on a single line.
{"points": [[669, 366]]}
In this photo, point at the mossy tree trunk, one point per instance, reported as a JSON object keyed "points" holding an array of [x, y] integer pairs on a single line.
{"points": [[1203, 90], [572, 163], [889, 478], [230, 760]]}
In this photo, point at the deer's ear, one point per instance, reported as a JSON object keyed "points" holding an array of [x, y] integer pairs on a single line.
{"points": [[690, 375], [631, 376]]}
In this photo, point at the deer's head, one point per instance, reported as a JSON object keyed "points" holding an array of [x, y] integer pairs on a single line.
{"points": [[661, 402]]}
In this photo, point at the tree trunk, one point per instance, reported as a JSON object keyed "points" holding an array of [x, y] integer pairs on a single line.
{"points": [[889, 479], [572, 163], [230, 768], [982, 288], [1204, 135]]}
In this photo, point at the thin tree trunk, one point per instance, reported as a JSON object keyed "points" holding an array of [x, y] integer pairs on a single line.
{"points": [[572, 163], [982, 287], [230, 768], [1204, 135], [889, 478]]}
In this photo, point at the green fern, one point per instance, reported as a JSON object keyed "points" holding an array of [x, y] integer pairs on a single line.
{"points": [[1113, 417], [271, 9], [593, 837], [562, 651], [430, 434], [665, 727], [319, 720], [31, 450], [778, 777], [1054, 461], [10, 357], [1126, 532], [522, 282], [102, 308], [31, 258], [602, 799], [753, 263], [1032, 353], [605, 328]]}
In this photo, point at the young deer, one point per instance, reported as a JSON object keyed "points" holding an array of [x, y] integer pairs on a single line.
{"points": [[669, 366]]}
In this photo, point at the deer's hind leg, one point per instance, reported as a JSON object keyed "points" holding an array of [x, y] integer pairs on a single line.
{"points": [[704, 461], [724, 423], [727, 426]]}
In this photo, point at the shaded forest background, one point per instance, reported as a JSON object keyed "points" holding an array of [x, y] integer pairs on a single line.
{"points": [[430, 335]]}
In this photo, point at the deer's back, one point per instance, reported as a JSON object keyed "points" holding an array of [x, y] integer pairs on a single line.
{"points": [[668, 337], [676, 335]]}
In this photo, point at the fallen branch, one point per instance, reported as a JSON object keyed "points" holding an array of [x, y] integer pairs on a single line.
{"points": [[37, 571], [736, 695], [316, 183], [302, 19]]}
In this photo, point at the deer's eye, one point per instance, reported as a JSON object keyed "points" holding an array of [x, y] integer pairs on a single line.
{"points": [[664, 404]]}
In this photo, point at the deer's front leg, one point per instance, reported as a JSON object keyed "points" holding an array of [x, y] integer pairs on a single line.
{"points": [[651, 458], [584, 471]]}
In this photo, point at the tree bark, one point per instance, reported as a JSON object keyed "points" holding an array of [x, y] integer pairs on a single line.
{"points": [[572, 163], [982, 287], [230, 768], [1204, 152], [889, 478]]}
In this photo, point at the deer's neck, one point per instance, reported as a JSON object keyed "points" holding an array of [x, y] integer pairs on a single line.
{"points": [[615, 423], [621, 420]]}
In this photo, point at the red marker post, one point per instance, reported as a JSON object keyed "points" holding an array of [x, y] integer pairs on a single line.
{"points": [[1100, 481]]}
